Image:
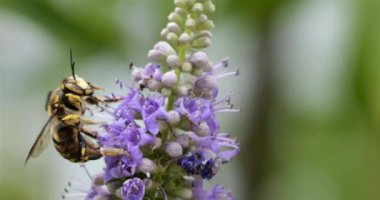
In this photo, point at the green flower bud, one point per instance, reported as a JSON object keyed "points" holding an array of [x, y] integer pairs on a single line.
{"points": [[208, 25], [209, 7], [166, 92], [198, 8], [180, 3], [164, 32], [201, 43], [184, 193], [190, 23], [187, 67], [171, 37], [202, 18], [174, 17]]}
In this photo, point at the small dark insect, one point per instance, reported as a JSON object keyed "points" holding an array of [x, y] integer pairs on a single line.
{"points": [[66, 107]]}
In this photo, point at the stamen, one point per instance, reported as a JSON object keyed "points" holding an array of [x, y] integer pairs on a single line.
{"points": [[224, 63], [235, 73], [226, 99], [224, 108], [86, 170], [228, 111], [75, 196]]}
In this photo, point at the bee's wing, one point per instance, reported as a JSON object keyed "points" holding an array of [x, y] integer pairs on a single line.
{"points": [[42, 140]]}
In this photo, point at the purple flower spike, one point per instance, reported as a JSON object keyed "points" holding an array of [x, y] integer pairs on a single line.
{"points": [[133, 189]]}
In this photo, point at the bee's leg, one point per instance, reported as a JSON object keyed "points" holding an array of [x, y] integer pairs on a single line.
{"points": [[95, 100], [111, 151], [90, 133], [85, 120], [94, 86], [89, 150]]}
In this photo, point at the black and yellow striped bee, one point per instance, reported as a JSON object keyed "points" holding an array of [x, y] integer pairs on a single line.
{"points": [[66, 107]]}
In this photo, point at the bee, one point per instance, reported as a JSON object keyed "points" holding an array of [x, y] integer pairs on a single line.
{"points": [[66, 107]]}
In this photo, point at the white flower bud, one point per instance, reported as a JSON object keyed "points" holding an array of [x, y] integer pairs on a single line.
{"points": [[113, 186], [198, 7], [163, 126], [202, 129], [199, 59], [184, 193], [166, 92], [173, 149], [208, 25], [156, 56], [184, 38], [173, 27], [202, 18], [147, 166], [190, 3], [204, 85], [190, 23], [173, 117], [148, 183], [197, 71], [188, 180], [202, 42], [181, 91], [169, 79], [173, 61], [157, 143], [164, 32], [204, 33], [208, 67], [164, 47], [187, 67], [154, 85], [183, 140], [209, 7], [180, 11], [137, 74], [172, 37], [117, 194], [180, 3], [174, 17]]}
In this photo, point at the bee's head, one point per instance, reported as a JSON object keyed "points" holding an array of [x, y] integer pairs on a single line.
{"points": [[77, 85]]}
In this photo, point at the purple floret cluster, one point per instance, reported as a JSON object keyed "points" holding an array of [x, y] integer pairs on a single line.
{"points": [[167, 118]]}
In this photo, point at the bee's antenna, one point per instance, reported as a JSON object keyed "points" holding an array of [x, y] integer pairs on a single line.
{"points": [[72, 63]]}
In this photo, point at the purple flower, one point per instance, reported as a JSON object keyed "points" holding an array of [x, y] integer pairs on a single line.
{"points": [[205, 85], [218, 192], [198, 110], [133, 189], [97, 192], [222, 145], [153, 110]]}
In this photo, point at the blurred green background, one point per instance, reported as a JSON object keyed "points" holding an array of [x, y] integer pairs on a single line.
{"points": [[309, 89]]}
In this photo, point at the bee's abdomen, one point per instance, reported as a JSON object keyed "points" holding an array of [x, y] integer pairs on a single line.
{"points": [[67, 142]]}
